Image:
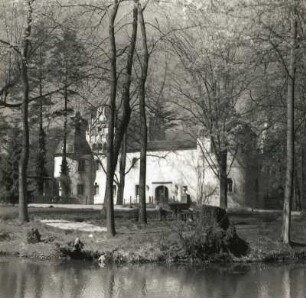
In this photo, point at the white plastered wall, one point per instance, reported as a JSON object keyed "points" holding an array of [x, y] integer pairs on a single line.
{"points": [[172, 169]]}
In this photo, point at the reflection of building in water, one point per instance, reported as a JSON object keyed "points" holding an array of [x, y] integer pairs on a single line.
{"points": [[174, 162]]}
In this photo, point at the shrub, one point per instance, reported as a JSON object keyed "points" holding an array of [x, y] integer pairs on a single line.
{"points": [[33, 236], [204, 238], [5, 236]]}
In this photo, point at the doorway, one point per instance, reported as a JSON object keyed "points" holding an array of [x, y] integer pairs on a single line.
{"points": [[162, 194]]}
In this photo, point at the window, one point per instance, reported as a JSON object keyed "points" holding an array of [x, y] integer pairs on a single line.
{"points": [[229, 185], [80, 189], [97, 189], [81, 166], [137, 190]]}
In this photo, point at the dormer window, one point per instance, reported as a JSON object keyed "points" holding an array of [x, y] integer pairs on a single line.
{"points": [[81, 165]]}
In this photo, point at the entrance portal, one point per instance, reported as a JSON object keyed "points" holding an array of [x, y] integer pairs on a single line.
{"points": [[162, 194]]}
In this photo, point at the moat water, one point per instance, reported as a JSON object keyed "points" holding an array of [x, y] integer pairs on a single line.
{"points": [[24, 278]]}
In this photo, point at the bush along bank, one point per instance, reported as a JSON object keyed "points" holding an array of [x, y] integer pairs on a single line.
{"points": [[149, 254], [209, 237]]}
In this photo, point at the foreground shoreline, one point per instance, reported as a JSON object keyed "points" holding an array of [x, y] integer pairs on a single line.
{"points": [[135, 243]]}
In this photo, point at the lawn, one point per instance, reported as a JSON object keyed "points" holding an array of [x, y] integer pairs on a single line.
{"points": [[140, 243]]}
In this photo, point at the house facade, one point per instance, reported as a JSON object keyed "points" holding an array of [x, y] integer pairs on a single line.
{"points": [[172, 165]]}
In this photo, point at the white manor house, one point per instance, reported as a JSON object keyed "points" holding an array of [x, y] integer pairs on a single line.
{"points": [[172, 164]]}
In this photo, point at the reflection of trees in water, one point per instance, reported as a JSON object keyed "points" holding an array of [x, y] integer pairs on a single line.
{"points": [[8, 279], [21, 283], [143, 284], [110, 284], [20, 279], [78, 281], [31, 279], [164, 281], [203, 282], [299, 279], [37, 281], [286, 284], [295, 281], [74, 278]]}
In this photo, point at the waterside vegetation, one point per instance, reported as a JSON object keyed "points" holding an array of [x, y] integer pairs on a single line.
{"points": [[157, 241]]}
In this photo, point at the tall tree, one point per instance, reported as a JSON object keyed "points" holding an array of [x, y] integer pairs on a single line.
{"points": [[68, 60], [210, 77], [110, 170], [41, 158], [114, 140], [290, 127], [39, 74], [24, 158], [23, 48], [143, 119]]}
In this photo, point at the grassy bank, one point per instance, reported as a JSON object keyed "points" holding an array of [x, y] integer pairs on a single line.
{"points": [[137, 243], [132, 241]]}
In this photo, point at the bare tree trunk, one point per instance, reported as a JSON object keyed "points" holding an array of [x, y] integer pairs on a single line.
{"points": [[41, 171], [40, 179], [143, 120], [121, 184], [65, 127], [114, 144], [110, 169], [290, 132], [24, 158], [297, 191], [223, 178], [126, 113], [65, 181], [303, 177]]}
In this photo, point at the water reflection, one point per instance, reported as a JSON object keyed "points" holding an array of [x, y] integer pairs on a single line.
{"points": [[19, 278]]}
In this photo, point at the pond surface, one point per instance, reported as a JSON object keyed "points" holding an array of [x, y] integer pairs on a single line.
{"points": [[23, 278]]}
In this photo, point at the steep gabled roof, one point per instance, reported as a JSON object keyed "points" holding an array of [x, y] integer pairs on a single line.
{"points": [[74, 145], [175, 140]]}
